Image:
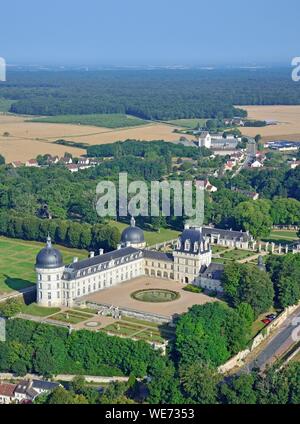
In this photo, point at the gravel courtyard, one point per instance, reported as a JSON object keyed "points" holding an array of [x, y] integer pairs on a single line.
{"points": [[120, 296]]}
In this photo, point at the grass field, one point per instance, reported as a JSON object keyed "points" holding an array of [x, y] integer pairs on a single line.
{"points": [[282, 236], [116, 120], [188, 123], [17, 258], [5, 104], [151, 237], [39, 311]]}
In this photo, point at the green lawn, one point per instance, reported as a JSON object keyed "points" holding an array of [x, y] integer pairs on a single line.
{"points": [[116, 120], [17, 259], [69, 317], [151, 237], [188, 123], [283, 236], [237, 254], [39, 311]]}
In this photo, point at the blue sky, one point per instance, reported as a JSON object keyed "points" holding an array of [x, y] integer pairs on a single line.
{"points": [[143, 32]]}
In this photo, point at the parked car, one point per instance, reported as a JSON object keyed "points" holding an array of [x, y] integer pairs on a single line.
{"points": [[266, 321], [272, 316]]}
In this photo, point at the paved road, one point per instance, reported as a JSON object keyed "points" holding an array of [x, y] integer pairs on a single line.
{"points": [[277, 345]]}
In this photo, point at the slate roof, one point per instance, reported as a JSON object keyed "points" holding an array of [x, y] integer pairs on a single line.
{"points": [[227, 234], [214, 271], [98, 263], [44, 385], [160, 256]]}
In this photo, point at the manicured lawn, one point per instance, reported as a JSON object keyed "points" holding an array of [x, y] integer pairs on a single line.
{"points": [[237, 254], [39, 311], [116, 120], [151, 237], [17, 259], [70, 318], [284, 236], [130, 330]]}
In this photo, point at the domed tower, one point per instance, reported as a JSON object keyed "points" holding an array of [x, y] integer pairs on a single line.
{"points": [[49, 269], [133, 236]]}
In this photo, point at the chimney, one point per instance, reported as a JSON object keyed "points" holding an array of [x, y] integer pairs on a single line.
{"points": [[119, 246], [186, 226], [92, 254], [101, 251], [75, 259]]}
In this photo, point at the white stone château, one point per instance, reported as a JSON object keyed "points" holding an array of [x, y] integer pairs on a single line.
{"points": [[190, 262]]}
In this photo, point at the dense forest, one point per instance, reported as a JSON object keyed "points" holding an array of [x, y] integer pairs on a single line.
{"points": [[158, 95]]}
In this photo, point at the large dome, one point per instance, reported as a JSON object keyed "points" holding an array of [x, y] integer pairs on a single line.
{"points": [[49, 257], [132, 234]]}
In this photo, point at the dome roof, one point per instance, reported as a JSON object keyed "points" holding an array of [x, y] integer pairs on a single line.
{"points": [[49, 257], [132, 234]]}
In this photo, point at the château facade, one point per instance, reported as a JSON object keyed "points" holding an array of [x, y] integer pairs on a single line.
{"points": [[190, 262]]}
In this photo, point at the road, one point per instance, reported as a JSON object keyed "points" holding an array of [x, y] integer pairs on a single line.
{"points": [[278, 344]]}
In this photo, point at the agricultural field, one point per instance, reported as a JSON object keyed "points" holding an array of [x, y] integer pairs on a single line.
{"points": [[287, 117], [151, 237], [17, 258], [188, 123], [28, 139], [116, 120]]}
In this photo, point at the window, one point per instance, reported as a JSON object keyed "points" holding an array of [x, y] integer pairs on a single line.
{"points": [[49, 295], [49, 277]]}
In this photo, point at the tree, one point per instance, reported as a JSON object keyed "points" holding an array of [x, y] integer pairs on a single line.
{"points": [[199, 381], [254, 216], [2, 160], [245, 283], [11, 307], [285, 274], [239, 390], [211, 333]]}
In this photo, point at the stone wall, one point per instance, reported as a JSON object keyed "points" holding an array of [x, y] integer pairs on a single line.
{"points": [[237, 360]]}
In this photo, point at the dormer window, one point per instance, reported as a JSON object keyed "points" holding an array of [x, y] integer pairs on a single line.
{"points": [[179, 244], [196, 247], [187, 245]]}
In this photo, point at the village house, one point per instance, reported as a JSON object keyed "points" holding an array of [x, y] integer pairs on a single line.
{"points": [[256, 164], [209, 187], [72, 167], [25, 391], [294, 164], [17, 164], [251, 194], [66, 160], [32, 163]]}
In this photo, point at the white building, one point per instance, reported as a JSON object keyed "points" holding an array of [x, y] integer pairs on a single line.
{"points": [[204, 140], [191, 259]]}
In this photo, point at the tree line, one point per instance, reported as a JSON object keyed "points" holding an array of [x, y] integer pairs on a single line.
{"points": [[66, 233]]}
